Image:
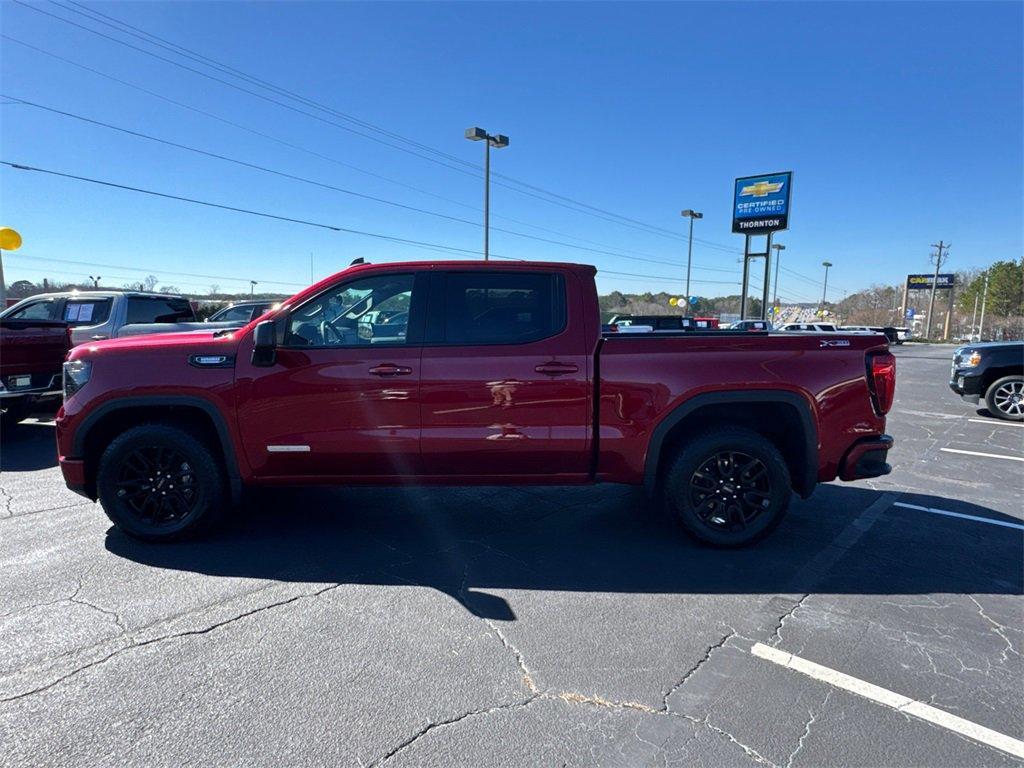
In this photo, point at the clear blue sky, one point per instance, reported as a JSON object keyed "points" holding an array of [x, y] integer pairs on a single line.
{"points": [[902, 123]]}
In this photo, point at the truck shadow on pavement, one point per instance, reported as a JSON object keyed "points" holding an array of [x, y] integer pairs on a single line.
{"points": [[465, 542], [28, 446]]}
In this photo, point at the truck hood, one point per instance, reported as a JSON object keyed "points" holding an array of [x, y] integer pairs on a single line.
{"points": [[214, 341]]}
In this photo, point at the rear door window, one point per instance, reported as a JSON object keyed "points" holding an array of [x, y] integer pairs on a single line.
{"points": [[158, 309], [502, 308], [84, 312]]}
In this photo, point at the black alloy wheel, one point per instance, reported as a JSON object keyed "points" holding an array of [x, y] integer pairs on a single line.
{"points": [[157, 485], [729, 490], [158, 482], [727, 487]]}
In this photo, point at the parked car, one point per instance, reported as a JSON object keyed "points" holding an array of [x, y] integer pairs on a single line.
{"points": [[31, 355], [812, 327], [751, 325], [242, 312], [992, 371], [97, 315], [489, 376]]}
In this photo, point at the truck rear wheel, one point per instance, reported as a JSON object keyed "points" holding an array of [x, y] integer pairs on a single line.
{"points": [[160, 483], [728, 487]]}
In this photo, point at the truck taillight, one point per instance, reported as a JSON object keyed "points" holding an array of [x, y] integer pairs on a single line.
{"points": [[882, 378]]}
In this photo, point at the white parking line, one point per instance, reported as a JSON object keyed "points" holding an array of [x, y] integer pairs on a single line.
{"points": [[986, 455], [891, 699], [947, 513], [998, 422]]}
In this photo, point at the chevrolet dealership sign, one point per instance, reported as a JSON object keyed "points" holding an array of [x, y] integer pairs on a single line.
{"points": [[761, 203]]}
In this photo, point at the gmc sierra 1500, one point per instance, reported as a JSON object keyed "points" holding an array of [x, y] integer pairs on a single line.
{"points": [[470, 373]]}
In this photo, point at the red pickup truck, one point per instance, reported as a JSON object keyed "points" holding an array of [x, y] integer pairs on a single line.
{"points": [[469, 373]]}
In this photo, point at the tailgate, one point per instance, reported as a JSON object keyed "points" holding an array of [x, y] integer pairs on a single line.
{"points": [[35, 347]]}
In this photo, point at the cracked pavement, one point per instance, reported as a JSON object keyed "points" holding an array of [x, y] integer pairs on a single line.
{"points": [[494, 626]]}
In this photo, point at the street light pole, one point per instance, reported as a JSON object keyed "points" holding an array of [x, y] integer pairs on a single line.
{"points": [[824, 290], [691, 215], [779, 248], [497, 141], [252, 286]]}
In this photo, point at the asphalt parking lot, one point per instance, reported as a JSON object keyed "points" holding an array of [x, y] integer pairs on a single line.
{"points": [[504, 627]]}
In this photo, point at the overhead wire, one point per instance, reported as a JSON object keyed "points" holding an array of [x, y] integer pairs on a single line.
{"points": [[445, 157]]}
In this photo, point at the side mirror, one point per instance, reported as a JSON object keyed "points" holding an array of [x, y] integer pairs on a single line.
{"points": [[264, 344]]}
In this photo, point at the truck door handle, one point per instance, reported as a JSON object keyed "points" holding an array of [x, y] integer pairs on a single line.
{"points": [[390, 369], [98, 337], [557, 369]]}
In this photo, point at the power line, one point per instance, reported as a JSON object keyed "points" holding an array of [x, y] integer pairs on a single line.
{"points": [[324, 185], [321, 156], [304, 222], [553, 197], [152, 270]]}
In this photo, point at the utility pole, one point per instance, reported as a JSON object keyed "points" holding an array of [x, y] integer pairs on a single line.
{"points": [[984, 298], [939, 261]]}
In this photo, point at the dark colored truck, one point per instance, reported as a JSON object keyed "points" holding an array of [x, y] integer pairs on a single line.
{"points": [[993, 371], [31, 355], [461, 373]]}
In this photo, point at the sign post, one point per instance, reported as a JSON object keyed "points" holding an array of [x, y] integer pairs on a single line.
{"points": [[760, 207], [931, 282]]}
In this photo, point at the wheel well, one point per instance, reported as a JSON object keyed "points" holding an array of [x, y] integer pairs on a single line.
{"points": [[778, 421], [189, 418], [994, 374]]}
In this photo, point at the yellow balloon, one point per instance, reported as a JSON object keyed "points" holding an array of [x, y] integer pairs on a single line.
{"points": [[9, 239], [673, 301]]}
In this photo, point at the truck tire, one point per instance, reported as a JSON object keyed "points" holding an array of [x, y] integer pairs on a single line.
{"points": [[1005, 398], [728, 487], [160, 483]]}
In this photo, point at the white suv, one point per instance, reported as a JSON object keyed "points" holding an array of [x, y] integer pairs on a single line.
{"points": [[812, 327]]}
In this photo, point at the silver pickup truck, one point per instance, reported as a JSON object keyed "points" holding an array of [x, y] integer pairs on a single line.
{"points": [[100, 314]]}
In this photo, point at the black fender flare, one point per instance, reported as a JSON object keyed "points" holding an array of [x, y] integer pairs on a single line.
{"points": [[803, 484], [179, 401]]}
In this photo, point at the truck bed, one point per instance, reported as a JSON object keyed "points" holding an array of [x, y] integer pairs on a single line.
{"points": [[817, 378]]}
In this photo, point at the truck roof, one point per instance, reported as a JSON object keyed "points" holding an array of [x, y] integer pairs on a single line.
{"points": [[477, 264], [103, 293]]}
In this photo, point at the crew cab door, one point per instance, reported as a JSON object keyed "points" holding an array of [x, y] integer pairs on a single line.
{"points": [[342, 399], [505, 376]]}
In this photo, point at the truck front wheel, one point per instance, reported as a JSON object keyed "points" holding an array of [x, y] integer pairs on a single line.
{"points": [[160, 483], [1005, 398], [728, 487]]}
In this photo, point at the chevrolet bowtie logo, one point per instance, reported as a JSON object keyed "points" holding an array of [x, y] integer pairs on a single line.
{"points": [[762, 188]]}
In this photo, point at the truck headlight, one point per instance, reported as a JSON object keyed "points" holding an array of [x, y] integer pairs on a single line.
{"points": [[76, 375], [972, 360]]}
